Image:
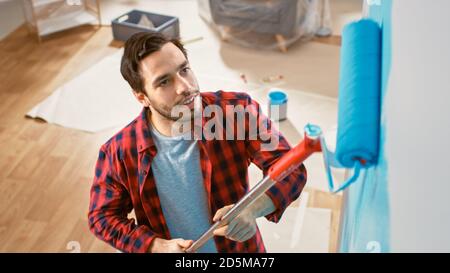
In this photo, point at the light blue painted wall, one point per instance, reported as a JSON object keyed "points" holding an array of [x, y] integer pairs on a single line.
{"points": [[403, 204], [365, 226]]}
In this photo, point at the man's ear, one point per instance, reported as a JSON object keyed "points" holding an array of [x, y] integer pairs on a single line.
{"points": [[142, 98]]}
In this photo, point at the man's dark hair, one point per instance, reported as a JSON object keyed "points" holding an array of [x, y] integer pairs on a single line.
{"points": [[137, 47]]}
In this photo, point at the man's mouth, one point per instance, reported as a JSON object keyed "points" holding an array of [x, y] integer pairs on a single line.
{"points": [[189, 100]]}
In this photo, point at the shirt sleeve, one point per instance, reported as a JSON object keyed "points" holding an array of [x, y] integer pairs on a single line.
{"points": [[264, 149], [109, 206]]}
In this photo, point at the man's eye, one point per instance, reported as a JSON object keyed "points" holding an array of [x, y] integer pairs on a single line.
{"points": [[164, 82], [185, 69]]}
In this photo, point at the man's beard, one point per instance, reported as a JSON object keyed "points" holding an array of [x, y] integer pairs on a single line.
{"points": [[167, 115], [182, 115]]}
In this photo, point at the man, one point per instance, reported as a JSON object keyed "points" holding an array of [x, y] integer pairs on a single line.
{"points": [[178, 186]]}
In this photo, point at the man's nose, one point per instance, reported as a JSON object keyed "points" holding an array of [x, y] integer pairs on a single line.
{"points": [[183, 86]]}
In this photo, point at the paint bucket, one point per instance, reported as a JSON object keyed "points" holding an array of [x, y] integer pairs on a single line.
{"points": [[277, 105]]}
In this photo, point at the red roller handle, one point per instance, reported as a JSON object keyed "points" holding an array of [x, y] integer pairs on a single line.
{"points": [[290, 161]]}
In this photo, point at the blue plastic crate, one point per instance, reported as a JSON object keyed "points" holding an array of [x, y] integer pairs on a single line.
{"points": [[126, 25]]}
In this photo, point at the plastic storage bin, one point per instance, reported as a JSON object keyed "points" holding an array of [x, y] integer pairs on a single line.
{"points": [[130, 23]]}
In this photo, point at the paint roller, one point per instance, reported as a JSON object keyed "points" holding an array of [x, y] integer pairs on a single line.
{"points": [[358, 122], [283, 167], [358, 102]]}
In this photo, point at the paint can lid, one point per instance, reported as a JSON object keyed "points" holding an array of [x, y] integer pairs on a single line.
{"points": [[277, 97]]}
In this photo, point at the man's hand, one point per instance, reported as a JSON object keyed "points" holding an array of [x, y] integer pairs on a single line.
{"points": [[169, 246], [243, 227], [240, 229]]}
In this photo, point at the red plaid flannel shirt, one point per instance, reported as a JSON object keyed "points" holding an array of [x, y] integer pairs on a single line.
{"points": [[124, 181]]}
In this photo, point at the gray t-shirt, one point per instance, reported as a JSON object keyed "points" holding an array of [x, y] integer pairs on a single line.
{"points": [[179, 181]]}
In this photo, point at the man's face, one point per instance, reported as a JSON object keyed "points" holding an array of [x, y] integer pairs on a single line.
{"points": [[168, 80]]}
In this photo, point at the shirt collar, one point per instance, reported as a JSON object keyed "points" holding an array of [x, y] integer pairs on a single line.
{"points": [[143, 138]]}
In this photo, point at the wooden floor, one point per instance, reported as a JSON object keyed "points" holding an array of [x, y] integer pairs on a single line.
{"points": [[46, 170]]}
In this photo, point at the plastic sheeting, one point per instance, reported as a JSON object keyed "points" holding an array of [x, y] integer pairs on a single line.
{"points": [[267, 24]]}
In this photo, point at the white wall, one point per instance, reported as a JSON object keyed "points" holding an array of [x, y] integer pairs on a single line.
{"points": [[418, 126], [11, 16]]}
